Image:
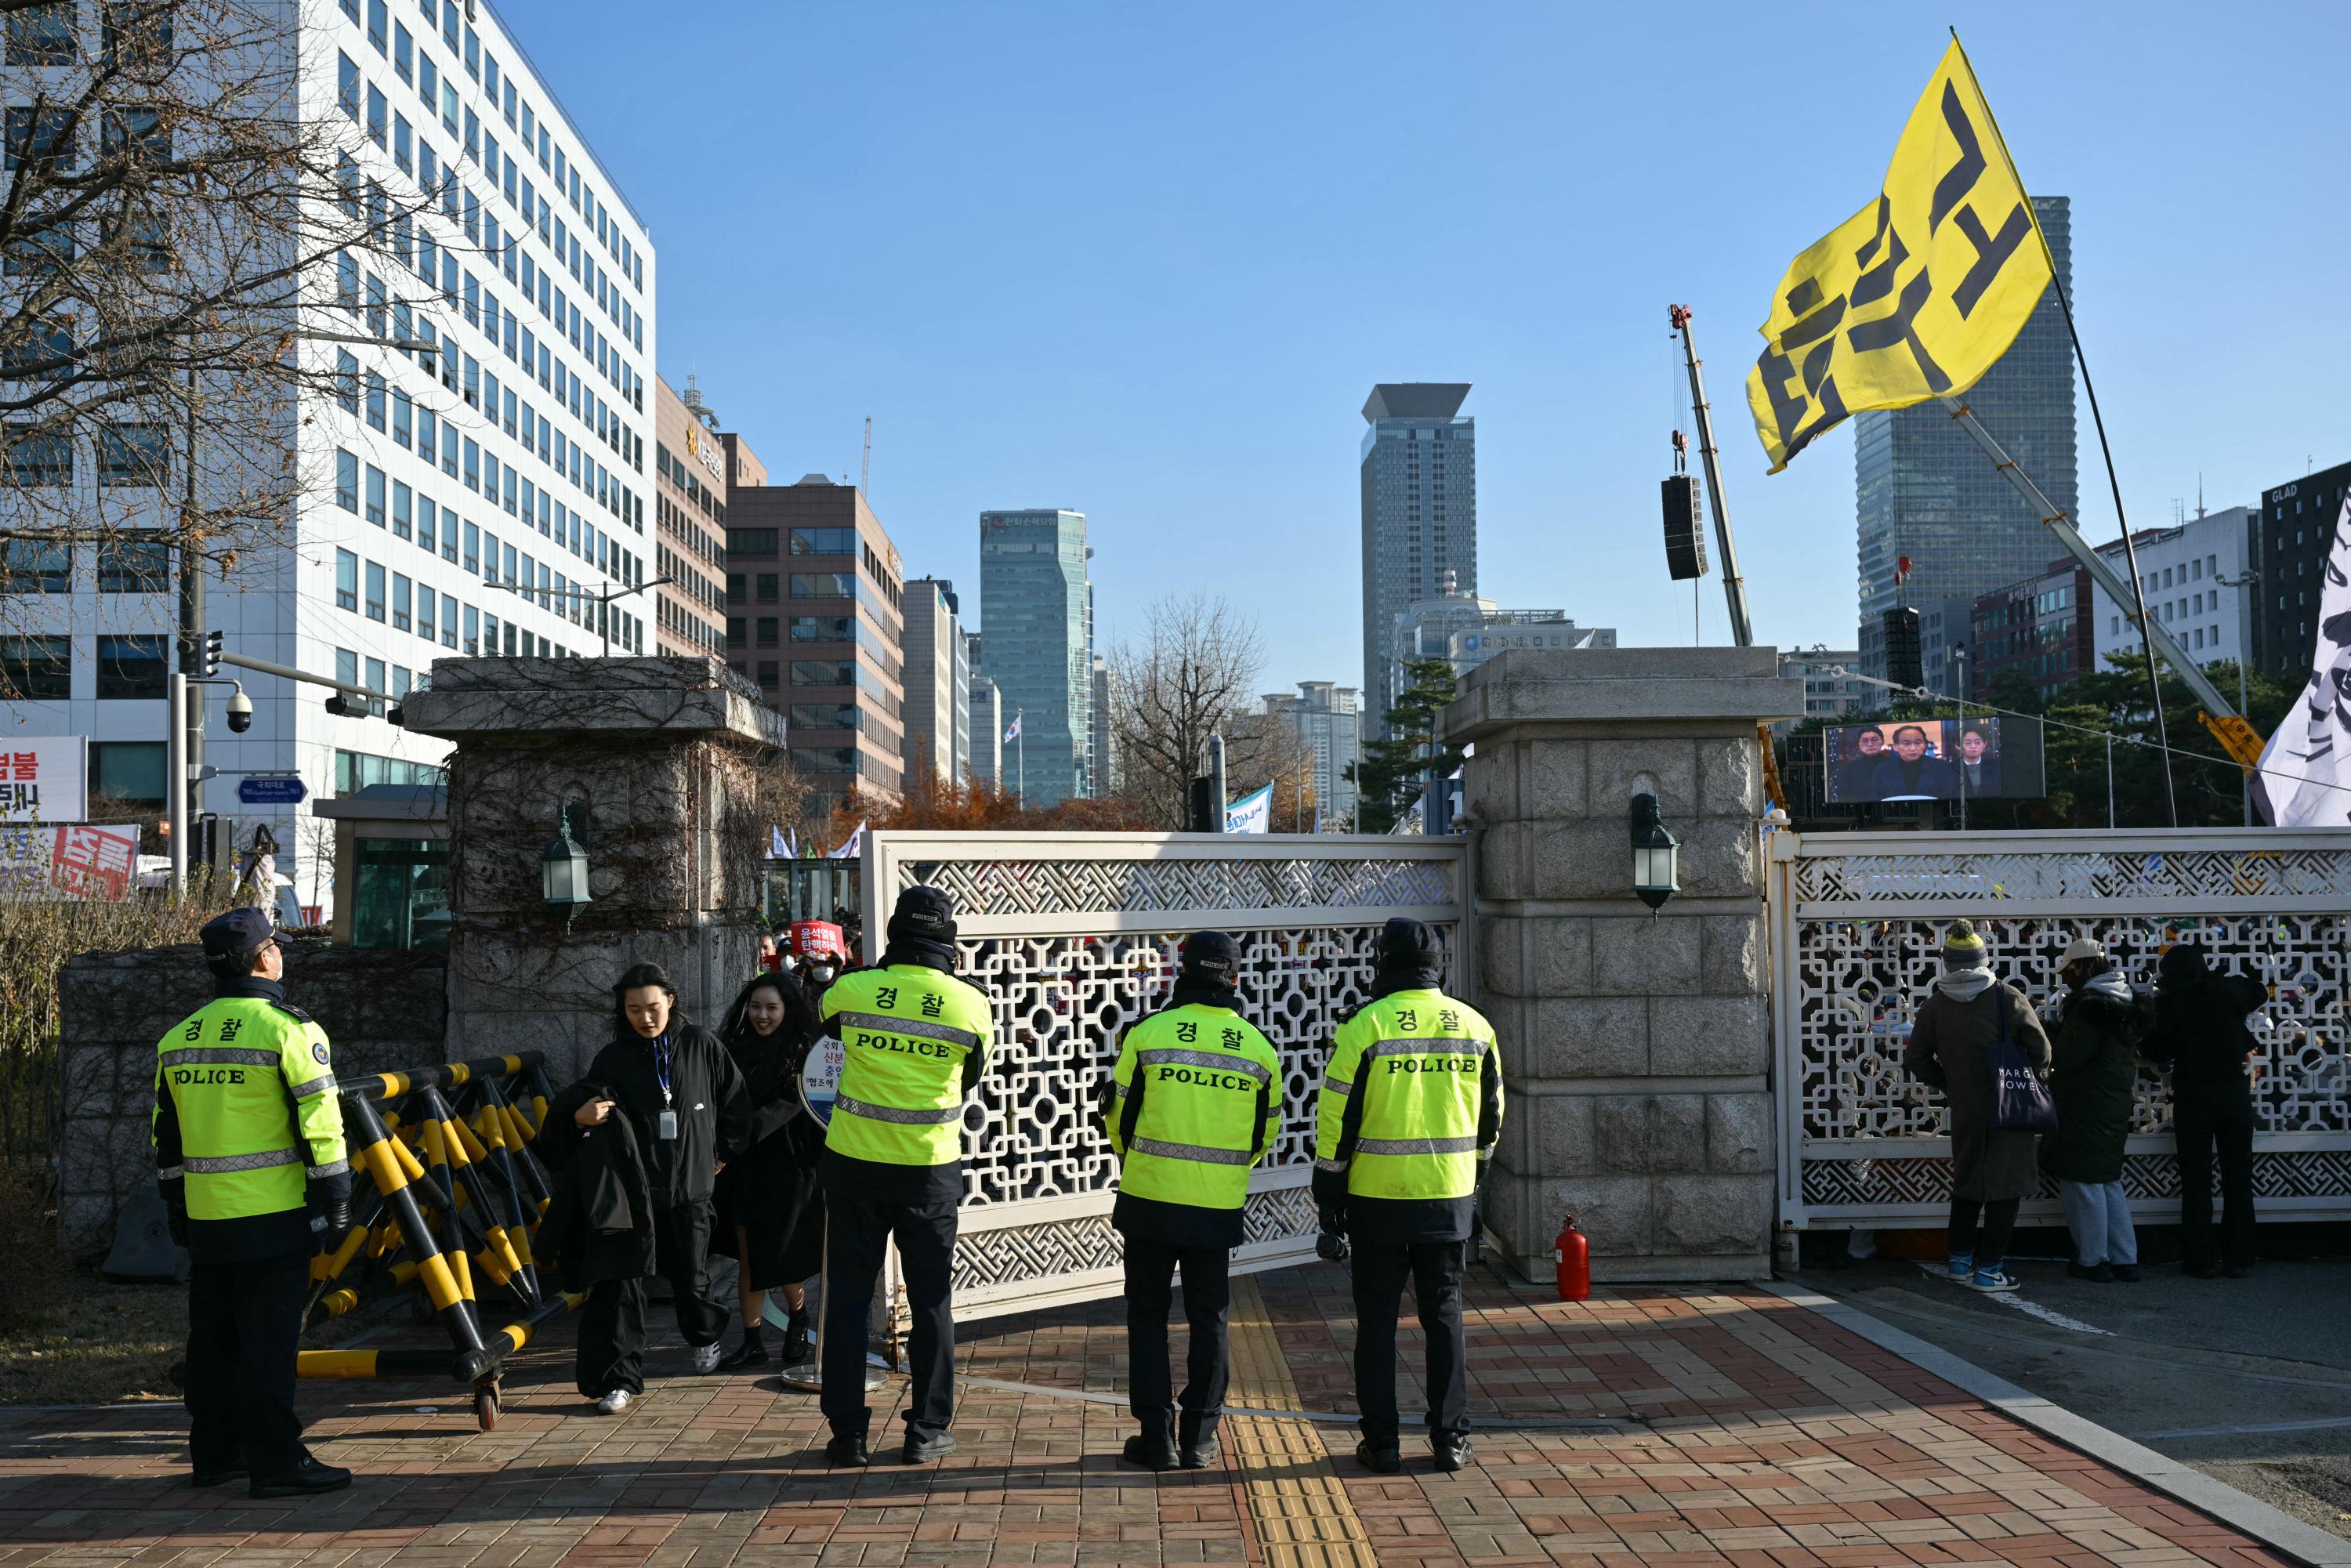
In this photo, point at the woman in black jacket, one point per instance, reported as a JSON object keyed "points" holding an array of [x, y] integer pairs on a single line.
{"points": [[766, 1220], [2093, 1043], [684, 1102], [2200, 1034]]}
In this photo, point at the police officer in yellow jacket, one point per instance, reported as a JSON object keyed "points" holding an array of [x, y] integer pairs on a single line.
{"points": [[916, 1040], [249, 1155], [1196, 1100], [1410, 1111]]}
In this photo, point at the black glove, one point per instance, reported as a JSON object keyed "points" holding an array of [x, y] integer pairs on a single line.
{"points": [[176, 1220], [337, 1211]]}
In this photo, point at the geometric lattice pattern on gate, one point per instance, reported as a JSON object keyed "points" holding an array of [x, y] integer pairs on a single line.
{"points": [[997, 888], [1859, 946], [1064, 994]]}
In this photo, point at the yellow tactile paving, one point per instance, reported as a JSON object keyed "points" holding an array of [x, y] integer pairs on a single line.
{"points": [[1298, 1506]]}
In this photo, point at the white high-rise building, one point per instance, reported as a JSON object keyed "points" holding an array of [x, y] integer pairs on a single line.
{"points": [[474, 497], [2194, 576], [1327, 719]]}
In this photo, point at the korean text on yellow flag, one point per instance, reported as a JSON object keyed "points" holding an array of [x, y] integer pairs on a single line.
{"points": [[1916, 295]]}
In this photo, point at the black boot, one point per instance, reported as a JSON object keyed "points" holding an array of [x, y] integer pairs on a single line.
{"points": [[1380, 1455], [752, 1352], [1196, 1442], [797, 1347], [1153, 1453]]}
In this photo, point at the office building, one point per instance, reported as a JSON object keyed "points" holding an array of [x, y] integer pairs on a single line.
{"points": [[2192, 576], [1326, 719], [1465, 630], [1925, 490], [690, 486], [938, 683], [1107, 778], [2040, 628], [1419, 476], [814, 597], [2297, 537], [987, 720], [1036, 615], [460, 500], [1830, 690]]}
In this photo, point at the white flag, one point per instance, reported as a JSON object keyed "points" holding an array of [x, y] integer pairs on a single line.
{"points": [[2312, 748], [777, 849], [1013, 731], [1252, 813], [852, 847]]}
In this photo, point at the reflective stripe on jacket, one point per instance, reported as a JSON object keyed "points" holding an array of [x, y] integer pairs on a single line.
{"points": [[1412, 1098], [916, 1041], [246, 1113], [1196, 1101]]}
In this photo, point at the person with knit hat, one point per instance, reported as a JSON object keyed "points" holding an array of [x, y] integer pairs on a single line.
{"points": [[2095, 1038], [1991, 1171]]}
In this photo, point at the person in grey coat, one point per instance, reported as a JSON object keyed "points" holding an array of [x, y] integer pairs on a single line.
{"points": [[1991, 1172]]}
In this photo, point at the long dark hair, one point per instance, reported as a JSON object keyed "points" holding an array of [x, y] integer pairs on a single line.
{"points": [[800, 1022]]}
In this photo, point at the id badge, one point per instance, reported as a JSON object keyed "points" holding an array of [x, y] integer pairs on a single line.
{"points": [[668, 1125]]}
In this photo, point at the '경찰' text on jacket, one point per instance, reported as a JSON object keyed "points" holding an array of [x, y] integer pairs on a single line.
{"points": [[1195, 1102]]}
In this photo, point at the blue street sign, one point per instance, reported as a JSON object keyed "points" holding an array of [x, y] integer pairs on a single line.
{"points": [[272, 792]]}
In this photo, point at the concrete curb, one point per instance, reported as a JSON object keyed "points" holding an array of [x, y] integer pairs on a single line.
{"points": [[2272, 1526]]}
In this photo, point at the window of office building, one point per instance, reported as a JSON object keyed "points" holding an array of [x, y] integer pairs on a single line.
{"points": [[132, 667], [133, 566], [36, 566], [36, 668], [128, 772]]}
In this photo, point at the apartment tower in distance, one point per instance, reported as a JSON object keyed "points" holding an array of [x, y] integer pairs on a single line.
{"points": [[690, 474], [1420, 514], [1924, 489], [938, 715], [813, 595], [1037, 625]]}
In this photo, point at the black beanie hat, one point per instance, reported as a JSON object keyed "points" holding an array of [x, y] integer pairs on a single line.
{"points": [[1213, 957], [924, 915], [1409, 944]]}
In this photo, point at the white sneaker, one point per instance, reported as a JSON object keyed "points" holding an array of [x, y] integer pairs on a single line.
{"points": [[615, 1402], [706, 1358]]}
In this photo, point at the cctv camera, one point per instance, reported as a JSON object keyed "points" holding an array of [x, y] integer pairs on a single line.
{"points": [[240, 711]]}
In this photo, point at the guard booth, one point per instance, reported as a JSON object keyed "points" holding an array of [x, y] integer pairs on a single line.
{"points": [[811, 889], [391, 865]]}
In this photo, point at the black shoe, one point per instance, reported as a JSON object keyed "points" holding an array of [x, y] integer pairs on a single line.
{"points": [[235, 1470], [847, 1449], [2102, 1273], [1151, 1453], [1199, 1455], [1453, 1453], [752, 1352], [1385, 1458], [2237, 1271], [306, 1479], [798, 1348], [923, 1450], [2126, 1272]]}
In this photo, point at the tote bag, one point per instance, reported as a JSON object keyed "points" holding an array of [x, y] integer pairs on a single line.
{"points": [[2020, 1100]]}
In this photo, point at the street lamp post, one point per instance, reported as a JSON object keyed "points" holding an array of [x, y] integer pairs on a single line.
{"points": [[603, 620], [2242, 583]]}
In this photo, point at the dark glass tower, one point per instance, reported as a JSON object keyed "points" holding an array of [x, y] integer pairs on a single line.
{"points": [[1420, 517], [1924, 489]]}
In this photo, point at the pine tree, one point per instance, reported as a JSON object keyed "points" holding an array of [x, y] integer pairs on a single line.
{"points": [[1390, 775]]}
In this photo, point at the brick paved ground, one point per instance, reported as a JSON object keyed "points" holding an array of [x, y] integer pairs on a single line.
{"points": [[1743, 1429]]}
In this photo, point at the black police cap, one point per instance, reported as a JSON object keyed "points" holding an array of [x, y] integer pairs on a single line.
{"points": [[238, 932], [1404, 941], [924, 915], [1212, 956]]}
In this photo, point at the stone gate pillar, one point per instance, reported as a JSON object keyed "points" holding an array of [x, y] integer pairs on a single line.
{"points": [[1636, 1049], [675, 763]]}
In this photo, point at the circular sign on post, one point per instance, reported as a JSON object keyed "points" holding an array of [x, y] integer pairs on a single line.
{"points": [[820, 1078]]}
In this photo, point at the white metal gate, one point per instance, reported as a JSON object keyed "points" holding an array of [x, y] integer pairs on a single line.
{"points": [[1072, 937], [1856, 923]]}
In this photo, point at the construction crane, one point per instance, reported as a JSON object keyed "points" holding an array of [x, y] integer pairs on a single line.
{"points": [[865, 474]]}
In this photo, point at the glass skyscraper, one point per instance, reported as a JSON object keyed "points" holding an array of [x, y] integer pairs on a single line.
{"points": [[1037, 618], [1925, 489], [1420, 516]]}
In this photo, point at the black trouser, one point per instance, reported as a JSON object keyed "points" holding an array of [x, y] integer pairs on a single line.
{"points": [[1151, 1267], [612, 1351], [1381, 1268], [855, 1234], [245, 1321], [1987, 1244], [2200, 1121]]}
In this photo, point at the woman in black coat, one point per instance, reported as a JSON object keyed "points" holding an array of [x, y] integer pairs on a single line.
{"points": [[685, 1103], [2094, 1043], [2200, 1034], [767, 1220]]}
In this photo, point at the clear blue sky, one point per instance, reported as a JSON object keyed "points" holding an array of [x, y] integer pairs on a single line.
{"points": [[1147, 262]]}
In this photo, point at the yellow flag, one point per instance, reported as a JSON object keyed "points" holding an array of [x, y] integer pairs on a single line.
{"points": [[1914, 296]]}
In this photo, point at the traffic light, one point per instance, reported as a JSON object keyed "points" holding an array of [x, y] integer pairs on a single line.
{"points": [[211, 654]]}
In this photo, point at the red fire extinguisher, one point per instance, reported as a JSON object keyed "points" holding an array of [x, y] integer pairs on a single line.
{"points": [[1572, 1252]]}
